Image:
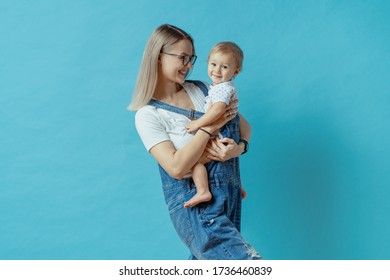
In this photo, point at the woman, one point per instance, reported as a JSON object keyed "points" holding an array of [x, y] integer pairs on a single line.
{"points": [[164, 101]]}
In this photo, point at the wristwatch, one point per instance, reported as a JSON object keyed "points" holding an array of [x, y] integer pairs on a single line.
{"points": [[246, 145]]}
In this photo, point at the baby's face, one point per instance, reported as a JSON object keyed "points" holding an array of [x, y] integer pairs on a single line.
{"points": [[221, 67]]}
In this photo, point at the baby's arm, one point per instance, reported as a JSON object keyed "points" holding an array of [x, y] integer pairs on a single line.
{"points": [[213, 113]]}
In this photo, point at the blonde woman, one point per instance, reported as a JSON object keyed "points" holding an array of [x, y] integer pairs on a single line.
{"points": [[165, 103]]}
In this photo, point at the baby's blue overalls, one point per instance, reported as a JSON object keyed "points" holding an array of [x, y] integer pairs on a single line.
{"points": [[210, 230]]}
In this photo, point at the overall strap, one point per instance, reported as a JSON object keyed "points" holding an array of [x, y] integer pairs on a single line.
{"points": [[200, 85], [191, 114]]}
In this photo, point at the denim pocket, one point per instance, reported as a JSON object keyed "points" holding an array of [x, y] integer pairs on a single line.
{"points": [[175, 196], [181, 222]]}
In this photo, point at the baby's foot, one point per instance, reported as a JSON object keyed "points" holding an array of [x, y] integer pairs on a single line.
{"points": [[198, 198]]}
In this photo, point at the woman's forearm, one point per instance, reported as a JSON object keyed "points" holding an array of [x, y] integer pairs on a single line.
{"points": [[178, 163], [245, 129], [185, 158]]}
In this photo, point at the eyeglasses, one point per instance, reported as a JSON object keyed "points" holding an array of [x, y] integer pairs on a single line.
{"points": [[184, 58]]}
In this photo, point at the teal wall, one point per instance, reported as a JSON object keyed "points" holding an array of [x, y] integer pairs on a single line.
{"points": [[76, 182]]}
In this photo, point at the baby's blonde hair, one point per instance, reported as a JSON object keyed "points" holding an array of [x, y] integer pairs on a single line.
{"points": [[227, 47], [162, 38]]}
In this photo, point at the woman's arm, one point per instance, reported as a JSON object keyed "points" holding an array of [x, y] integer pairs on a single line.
{"points": [[179, 162], [245, 131]]}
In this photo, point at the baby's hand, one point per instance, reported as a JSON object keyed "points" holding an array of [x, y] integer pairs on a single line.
{"points": [[192, 127]]}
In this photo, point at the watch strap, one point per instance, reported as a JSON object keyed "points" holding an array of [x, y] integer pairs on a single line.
{"points": [[246, 145]]}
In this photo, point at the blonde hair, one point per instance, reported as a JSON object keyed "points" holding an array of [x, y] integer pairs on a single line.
{"points": [[162, 38], [231, 48]]}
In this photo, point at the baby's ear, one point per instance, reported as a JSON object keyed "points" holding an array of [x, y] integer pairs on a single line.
{"points": [[238, 70]]}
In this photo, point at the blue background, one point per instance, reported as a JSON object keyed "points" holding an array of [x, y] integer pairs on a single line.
{"points": [[77, 183]]}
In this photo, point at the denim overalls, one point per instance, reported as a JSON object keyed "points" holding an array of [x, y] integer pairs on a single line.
{"points": [[210, 230]]}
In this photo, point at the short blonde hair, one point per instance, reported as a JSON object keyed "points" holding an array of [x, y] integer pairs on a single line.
{"points": [[231, 48], [162, 38]]}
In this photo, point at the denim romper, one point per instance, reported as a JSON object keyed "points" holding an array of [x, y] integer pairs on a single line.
{"points": [[211, 230]]}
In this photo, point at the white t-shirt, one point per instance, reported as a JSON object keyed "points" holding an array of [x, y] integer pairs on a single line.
{"points": [[155, 125]]}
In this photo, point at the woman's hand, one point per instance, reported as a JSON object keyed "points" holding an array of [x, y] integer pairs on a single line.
{"points": [[223, 149]]}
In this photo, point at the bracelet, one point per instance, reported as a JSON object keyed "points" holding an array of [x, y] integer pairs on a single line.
{"points": [[204, 130], [246, 145]]}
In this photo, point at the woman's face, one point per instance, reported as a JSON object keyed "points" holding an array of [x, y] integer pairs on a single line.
{"points": [[171, 62]]}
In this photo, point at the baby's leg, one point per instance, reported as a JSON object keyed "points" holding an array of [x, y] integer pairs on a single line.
{"points": [[203, 194]]}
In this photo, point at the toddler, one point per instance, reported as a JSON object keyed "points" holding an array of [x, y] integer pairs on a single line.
{"points": [[224, 63]]}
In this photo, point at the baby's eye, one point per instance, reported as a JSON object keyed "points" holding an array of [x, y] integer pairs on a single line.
{"points": [[212, 64], [225, 67]]}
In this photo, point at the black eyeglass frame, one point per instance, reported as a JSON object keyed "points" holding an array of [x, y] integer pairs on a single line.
{"points": [[185, 59]]}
